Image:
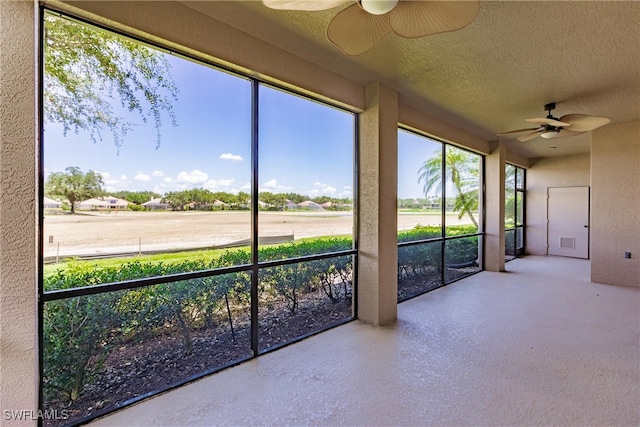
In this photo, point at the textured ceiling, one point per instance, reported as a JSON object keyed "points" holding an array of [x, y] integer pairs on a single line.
{"points": [[490, 76]]}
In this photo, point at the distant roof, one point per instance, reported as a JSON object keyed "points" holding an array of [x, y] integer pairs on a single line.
{"points": [[156, 201], [47, 202], [310, 204], [105, 201]]}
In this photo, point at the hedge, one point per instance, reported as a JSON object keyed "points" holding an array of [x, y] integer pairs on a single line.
{"points": [[80, 331]]}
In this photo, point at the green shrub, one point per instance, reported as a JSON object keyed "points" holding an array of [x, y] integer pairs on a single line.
{"points": [[79, 332], [415, 260]]}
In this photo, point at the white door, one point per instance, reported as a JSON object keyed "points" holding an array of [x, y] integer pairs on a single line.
{"points": [[568, 221]]}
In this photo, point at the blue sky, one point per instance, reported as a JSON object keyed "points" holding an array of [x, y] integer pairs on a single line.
{"points": [[304, 147], [413, 150]]}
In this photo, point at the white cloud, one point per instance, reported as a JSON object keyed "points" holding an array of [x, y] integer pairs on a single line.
{"points": [[214, 184], [142, 177], [246, 187], [270, 184], [273, 187], [232, 157], [193, 177], [114, 183], [168, 180], [329, 190], [157, 173], [322, 189]]}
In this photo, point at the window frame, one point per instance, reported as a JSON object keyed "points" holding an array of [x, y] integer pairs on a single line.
{"points": [[253, 267], [519, 190], [444, 238]]}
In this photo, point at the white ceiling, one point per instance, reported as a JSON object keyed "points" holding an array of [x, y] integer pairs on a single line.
{"points": [[491, 75]]}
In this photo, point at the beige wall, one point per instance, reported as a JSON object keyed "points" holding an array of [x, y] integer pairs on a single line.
{"points": [[494, 246], [18, 260], [377, 207], [615, 204], [562, 171], [423, 122]]}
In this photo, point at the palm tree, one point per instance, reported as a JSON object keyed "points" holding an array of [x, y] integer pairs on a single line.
{"points": [[463, 170]]}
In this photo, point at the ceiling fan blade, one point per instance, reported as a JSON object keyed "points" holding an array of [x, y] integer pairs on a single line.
{"points": [[569, 132], [529, 136], [310, 5], [548, 121], [413, 19], [518, 131], [355, 31], [584, 123]]}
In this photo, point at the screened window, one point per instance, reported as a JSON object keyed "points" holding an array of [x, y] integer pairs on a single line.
{"points": [[514, 211], [439, 220], [192, 218]]}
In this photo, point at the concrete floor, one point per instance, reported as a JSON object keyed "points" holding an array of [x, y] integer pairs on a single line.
{"points": [[538, 345]]}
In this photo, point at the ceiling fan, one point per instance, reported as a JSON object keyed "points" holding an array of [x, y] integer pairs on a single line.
{"points": [[358, 27], [553, 127]]}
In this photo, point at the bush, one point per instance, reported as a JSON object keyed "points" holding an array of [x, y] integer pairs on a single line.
{"points": [[76, 334], [415, 260], [79, 332]]}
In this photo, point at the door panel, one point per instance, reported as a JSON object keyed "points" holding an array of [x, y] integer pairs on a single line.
{"points": [[568, 221]]}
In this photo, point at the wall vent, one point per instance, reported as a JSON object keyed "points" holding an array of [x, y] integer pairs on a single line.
{"points": [[567, 243]]}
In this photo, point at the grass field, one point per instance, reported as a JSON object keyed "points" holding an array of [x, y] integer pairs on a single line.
{"points": [[104, 233]]}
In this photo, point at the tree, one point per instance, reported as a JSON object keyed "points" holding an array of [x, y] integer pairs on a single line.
{"points": [[177, 199], [84, 67], [462, 168], [277, 201], [242, 200], [137, 197], [74, 185]]}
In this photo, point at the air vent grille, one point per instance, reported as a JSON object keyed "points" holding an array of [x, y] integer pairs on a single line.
{"points": [[567, 243]]}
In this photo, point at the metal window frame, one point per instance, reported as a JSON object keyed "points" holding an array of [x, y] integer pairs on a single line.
{"points": [[519, 251], [443, 236], [255, 264]]}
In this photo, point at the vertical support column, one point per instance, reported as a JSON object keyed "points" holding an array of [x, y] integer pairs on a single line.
{"points": [[377, 195], [18, 227], [494, 212]]}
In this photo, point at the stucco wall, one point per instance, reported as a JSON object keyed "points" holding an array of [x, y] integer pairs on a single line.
{"points": [[377, 199], [421, 121], [18, 260], [562, 171], [615, 204]]}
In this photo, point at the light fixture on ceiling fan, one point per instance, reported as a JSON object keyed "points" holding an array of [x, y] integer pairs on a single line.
{"points": [[358, 27], [378, 7], [552, 127]]}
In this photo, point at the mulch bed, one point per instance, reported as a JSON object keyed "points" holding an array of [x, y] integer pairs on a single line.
{"points": [[413, 286], [135, 368]]}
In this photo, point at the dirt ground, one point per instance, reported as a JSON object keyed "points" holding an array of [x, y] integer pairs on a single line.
{"points": [[97, 233]]}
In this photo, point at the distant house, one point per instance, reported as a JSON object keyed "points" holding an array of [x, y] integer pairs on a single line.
{"points": [[291, 205], [107, 202], [156, 204], [310, 205], [51, 204], [220, 204]]}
